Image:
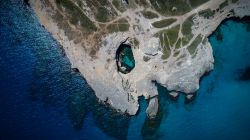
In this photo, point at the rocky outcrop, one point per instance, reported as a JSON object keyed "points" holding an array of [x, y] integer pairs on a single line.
{"points": [[189, 98], [174, 95], [152, 108]]}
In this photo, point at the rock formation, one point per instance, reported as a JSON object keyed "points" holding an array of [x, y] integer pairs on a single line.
{"points": [[152, 108], [174, 95], [169, 42]]}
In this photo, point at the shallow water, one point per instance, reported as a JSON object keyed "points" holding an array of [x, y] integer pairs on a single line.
{"points": [[42, 98]]}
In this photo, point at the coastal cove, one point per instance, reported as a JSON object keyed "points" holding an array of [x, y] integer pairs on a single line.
{"points": [[220, 110], [42, 98]]}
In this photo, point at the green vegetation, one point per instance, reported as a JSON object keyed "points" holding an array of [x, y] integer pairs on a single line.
{"points": [[63, 24], [134, 42], [118, 5], [171, 7], [187, 30], [102, 14], [166, 52], [192, 47], [146, 58], [163, 23], [178, 44], [207, 13], [224, 4], [171, 34], [164, 45], [142, 3], [149, 14], [103, 10], [195, 3], [234, 1], [184, 41], [168, 38], [176, 53], [79, 3], [121, 25], [204, 41], [76, 15], [117, 28]]}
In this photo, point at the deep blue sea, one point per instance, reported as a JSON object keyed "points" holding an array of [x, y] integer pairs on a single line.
{"points": [[41, 98]]}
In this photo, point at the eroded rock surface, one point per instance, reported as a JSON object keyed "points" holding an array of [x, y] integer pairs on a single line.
{"points": [[169, 42], [152, 108]]}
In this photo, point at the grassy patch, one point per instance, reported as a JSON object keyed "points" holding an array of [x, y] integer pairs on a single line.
{"points": [[102, 15], [164, 46], [134, 42], [76, 15], [196, 3], [149, 14], [178, 44], [121, 25], [112, 28], [146, 58], [206, 13], [122, 20], [166, 53], [170, 7], [176, 53], [192, 47], [103, 10], [172, 35], [118, 5], [187, 29], [142, 3], [168, 38], [163, 23], [234, 1], [224, 4], [204, 41]]}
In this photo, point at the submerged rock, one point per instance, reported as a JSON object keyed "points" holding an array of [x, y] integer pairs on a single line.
{"points": [[152, 108], [245, 74]]}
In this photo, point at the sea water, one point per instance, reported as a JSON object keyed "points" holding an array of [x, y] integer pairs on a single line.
{"points": [[221, 109], [42, 98]]}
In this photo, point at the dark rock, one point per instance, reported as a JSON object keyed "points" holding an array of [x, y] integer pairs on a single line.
{"points": [[245, 74], [219, 36], [26, 2], [75, 70]]}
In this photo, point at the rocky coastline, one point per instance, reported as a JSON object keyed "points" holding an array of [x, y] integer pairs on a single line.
{"points": [[179, 73]]}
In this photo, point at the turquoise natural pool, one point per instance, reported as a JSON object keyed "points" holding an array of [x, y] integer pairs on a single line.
{"points": [[125, 58]]}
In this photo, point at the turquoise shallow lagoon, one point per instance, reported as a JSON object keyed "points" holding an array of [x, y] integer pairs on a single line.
{"points": [[42, 98]]}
